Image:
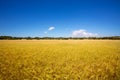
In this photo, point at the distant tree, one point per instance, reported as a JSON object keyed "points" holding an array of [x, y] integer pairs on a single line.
{"points": [[5, 37], [59, 38]]}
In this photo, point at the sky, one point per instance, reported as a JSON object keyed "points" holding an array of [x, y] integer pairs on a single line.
{"points": [[60, 18]]}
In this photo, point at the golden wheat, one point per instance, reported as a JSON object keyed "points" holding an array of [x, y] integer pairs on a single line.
{"points": [[59, 60]]}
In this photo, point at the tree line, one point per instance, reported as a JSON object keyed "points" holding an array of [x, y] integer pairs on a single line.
{"points": [[59, 38]]}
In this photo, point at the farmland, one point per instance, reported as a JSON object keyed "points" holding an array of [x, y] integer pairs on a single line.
{"points": [[59, 60]]}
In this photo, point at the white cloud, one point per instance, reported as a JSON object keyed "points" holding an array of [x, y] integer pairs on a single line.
{"points": [[45, 32], [83, 33], [51, 28]]}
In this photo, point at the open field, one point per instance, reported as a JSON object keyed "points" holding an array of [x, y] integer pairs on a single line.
{"points": [[59, 60]]}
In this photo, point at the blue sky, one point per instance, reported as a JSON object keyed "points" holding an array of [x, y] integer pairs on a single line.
{"points": [[67, 18]]}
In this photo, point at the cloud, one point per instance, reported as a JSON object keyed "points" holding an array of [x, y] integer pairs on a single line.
{"points": [[51, 28], [83, 33], [45, 32]]}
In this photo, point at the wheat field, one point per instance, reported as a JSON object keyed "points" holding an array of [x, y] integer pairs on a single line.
{"points": [[59, 60]]}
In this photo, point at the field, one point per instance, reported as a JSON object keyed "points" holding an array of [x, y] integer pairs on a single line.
{"points": [[59, 60]]}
